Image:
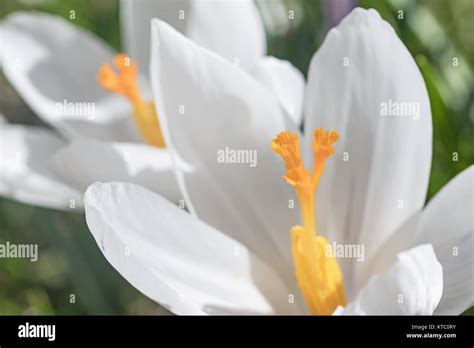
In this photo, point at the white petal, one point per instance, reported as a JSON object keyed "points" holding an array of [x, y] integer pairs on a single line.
{"points": [[135, 17], [233, 29], [84, 162], [380, 174], [175, 259], [53, 65], [285, 81], [402, 239], [412, 286], [25, 175], [224, 108], [448, 223]]}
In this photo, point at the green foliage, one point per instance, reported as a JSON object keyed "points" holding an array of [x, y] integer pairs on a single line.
{"points": [[71, 275], [99, 17]]}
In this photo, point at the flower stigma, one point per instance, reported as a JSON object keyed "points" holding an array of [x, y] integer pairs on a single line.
{"points": [[317, 272], [123, 81]]}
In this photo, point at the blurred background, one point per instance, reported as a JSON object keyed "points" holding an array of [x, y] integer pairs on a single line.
{"points": [[72, 276]]}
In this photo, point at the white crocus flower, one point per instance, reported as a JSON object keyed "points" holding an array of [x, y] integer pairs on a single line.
{"points": [[96, 135], [232, 253]]}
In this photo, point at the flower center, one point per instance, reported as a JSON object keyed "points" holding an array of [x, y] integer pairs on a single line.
{"points": [[317, 271], [124, 82]]}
